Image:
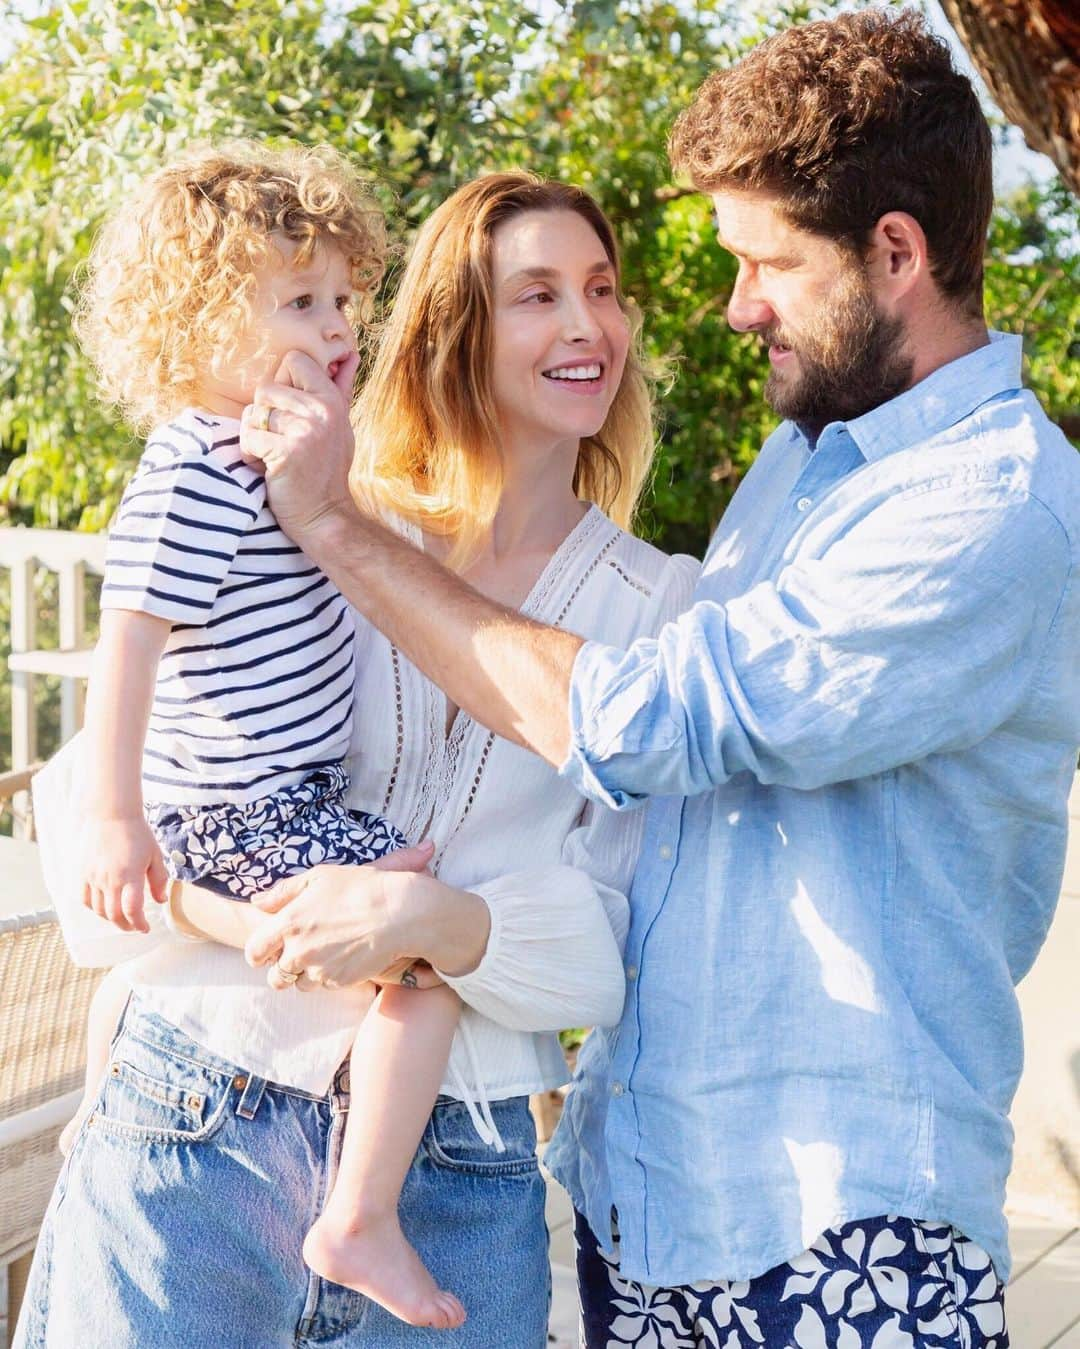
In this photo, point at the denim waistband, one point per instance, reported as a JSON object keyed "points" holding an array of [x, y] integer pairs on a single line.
{"points": [[155, 1030]]}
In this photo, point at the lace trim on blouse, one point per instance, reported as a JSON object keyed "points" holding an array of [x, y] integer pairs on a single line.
{"points": [[445, 751]]}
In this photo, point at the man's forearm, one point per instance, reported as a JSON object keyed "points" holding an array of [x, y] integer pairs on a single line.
{"points": [[507, 672]]}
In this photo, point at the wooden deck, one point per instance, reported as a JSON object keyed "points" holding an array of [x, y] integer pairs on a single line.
{"points": [[1043, 1301]]}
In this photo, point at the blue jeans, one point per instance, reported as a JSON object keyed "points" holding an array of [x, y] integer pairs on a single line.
{"points": [[178, 1218]]}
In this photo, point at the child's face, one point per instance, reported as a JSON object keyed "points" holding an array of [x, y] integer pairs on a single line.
{"points": [[294, 309]]}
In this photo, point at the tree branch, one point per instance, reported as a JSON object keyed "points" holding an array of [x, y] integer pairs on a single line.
{"points": [[1028, 52]]}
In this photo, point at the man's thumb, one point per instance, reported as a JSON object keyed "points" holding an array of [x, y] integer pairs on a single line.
{"points": [[298, 371]]}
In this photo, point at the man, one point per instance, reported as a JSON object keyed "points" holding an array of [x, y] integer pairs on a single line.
{"points": [[856, 746]]}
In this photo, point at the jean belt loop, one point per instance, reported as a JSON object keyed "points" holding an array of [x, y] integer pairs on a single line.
{"points": [[251, 1094], [123, 1017]]}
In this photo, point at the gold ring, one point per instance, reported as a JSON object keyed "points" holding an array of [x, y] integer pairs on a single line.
{"points": [[261, 419], [289, 976]]}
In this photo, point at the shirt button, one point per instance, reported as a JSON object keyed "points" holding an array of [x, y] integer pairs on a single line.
{"points": [[616, 1088], [631, 971], [803, 504], [664, 851], [177, 857]]}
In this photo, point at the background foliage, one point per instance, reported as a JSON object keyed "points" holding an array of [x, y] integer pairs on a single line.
{"points": [[426, 95]]}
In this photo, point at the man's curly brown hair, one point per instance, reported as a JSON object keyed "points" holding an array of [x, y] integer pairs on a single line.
{"points": [[844, 120]]}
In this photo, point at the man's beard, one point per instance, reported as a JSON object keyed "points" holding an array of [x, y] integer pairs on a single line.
{"points": [[850, 360]]}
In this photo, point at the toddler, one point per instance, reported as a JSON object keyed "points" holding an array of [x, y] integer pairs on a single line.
{"points": [[221, 702]]}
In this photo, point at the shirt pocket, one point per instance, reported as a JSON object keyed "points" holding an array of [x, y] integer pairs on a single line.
{"points": [[150, 1093]]}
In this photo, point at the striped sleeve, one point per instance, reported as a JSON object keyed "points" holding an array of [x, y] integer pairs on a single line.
{"points": [[176, 533]]}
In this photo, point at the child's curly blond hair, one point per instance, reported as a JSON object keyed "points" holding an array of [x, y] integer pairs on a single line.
{"points": [[167, 290]]}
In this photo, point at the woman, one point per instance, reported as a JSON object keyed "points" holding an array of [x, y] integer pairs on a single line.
{"points": [[507, 404]]}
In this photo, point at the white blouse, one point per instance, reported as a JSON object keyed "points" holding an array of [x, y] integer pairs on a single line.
{"points": [[553, 869]]}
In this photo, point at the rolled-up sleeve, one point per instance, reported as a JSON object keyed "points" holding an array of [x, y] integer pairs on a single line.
{"points": [[917, 628]]}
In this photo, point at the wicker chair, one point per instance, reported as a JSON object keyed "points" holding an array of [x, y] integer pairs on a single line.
{"points": [[43, 1005]]}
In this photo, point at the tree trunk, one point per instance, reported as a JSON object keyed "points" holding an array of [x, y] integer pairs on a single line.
{"points": [[1028, 52]]}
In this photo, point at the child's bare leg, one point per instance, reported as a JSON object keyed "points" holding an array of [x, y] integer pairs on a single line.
{"points": [[398, 1060], [101, 1022]]}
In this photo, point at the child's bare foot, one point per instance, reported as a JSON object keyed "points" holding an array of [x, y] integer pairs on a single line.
{"points": [[374, 1258], [67, 1134]]}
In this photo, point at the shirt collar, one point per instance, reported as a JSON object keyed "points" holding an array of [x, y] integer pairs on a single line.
{"points": [[943, 398]]}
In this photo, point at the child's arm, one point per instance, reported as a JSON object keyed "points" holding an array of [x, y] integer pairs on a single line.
{"points": [[208, 916], [199, 913], [121, 855]]}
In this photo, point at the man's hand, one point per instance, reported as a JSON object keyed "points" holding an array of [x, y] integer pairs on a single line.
{"points": [[298, 431], [123, 861], [508, 672]]}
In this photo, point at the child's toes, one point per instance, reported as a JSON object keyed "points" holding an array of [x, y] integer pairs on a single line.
{"points": [[453, 1310], [437, 1318]]}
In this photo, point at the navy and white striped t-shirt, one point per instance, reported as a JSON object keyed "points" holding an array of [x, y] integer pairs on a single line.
{"points": [[255, 685]]}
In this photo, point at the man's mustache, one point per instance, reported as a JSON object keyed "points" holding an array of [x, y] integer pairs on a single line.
{"points": [[775, 337]]}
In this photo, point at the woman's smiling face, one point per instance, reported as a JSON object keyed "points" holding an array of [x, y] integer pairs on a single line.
{"points": [[560, 338]]}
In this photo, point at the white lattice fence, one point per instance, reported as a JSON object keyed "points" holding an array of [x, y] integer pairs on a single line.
{"points": [[23, 554]]}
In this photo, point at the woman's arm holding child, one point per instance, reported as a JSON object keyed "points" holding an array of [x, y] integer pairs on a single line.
{"points": [[122, 858]]}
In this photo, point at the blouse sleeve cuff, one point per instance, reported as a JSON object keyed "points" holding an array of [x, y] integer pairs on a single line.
{"points": [[552, 959]]}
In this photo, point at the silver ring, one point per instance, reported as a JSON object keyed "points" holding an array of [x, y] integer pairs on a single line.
{"points": [[289, 976]]}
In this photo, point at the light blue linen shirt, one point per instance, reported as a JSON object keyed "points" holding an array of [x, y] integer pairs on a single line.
{"points": [[858, 745]]}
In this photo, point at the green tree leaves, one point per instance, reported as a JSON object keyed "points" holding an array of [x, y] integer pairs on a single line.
{"points": [[425, 94]]}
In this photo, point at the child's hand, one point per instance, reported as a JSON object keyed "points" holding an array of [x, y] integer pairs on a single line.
{"points": [[122, 861]]}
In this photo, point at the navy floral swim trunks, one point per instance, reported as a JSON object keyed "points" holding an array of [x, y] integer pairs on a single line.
{"points": [[879, 1283], [239, 850]]}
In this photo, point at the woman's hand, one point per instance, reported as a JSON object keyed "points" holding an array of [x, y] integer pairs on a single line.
{"points": [[409, 974], [335, 926], [298, 431]]}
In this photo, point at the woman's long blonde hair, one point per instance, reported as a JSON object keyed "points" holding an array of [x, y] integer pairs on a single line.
{"points": [[428, 445]]}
